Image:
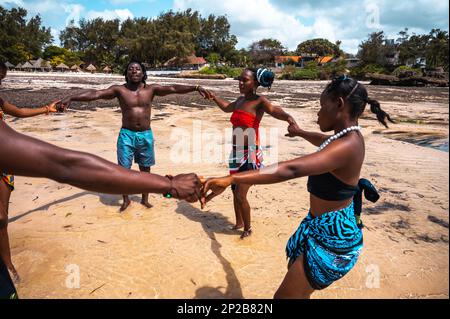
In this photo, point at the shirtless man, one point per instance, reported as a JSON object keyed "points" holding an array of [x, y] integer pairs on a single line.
{"points": [[135, 98]]}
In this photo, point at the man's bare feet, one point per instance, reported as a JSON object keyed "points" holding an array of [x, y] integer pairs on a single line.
{"points": [[246, 233], [146, 204], [126, 203]]}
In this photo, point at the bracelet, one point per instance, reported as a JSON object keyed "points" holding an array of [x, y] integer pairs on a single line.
{"points": [[170, 194]]}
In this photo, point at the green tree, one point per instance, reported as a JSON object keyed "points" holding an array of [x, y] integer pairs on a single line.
{"points": [[320, 47], [154, 41], [20, 39], [263, 52], [213, 58], [373, 50], [214, 37], [57, 55], [437, 49], [240, 58]]}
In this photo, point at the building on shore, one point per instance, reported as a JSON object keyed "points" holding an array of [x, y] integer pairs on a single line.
{"points": [[191, 62]]}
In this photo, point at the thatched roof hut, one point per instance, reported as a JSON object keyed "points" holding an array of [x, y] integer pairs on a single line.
{"points": [[189, 61], [107, 69], [75, 68], [91, 68], [9, 66], [62, 67], [42, 65], [18, 66], [27, 66]]}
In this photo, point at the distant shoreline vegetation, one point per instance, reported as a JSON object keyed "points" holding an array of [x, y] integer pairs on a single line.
{"points": [[186, 40]]}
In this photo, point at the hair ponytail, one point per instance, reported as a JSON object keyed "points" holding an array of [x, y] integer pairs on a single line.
{"points": [[381, 115]]}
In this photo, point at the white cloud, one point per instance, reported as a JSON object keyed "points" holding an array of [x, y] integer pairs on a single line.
{"points": [[123, 2], [253, 20], [75, 12], [290, 21], [293, 21], [18, 3], [121, 14]]}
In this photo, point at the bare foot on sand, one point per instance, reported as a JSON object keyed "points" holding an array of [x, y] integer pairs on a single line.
{"points": [[246, 233], [146, 204], [125, 205]]}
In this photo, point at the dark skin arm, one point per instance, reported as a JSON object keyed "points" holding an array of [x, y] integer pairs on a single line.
{"points": [[227, 107], [92, 95], [163, 90], [22, 112], [3, 220], [313, 137], [84, 170], [335, 156], [276, 112]]}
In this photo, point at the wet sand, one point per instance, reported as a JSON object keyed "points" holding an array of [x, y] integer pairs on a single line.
{"points": [[175, 250]]}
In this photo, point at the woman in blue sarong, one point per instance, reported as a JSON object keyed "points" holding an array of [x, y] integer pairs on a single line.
{"points": [[329, 240]]}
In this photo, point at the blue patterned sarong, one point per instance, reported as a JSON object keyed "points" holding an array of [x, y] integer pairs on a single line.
{"points": [[330, 245]]}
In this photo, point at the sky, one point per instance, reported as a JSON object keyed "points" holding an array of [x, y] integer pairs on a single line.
{"points": [[289, 21]]}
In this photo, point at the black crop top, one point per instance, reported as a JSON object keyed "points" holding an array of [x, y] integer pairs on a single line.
{"points": [[328, 187]]}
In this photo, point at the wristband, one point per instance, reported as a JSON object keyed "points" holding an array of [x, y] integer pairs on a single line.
{"points": [[170, 194]]}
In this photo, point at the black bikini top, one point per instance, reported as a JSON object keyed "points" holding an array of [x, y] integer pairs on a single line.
{"points": [[328, 187]]}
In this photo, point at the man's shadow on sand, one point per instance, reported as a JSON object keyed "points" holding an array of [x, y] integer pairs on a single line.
{"points": [[105, 199], [214, 223]]}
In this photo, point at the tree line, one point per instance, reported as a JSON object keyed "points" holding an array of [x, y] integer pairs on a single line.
{"points": [[179, 34]]}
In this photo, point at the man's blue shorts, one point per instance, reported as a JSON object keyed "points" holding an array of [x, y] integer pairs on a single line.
{"points": [[137, 145]]}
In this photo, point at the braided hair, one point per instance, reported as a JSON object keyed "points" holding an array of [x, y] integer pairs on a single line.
{"points": [[356, 95]]}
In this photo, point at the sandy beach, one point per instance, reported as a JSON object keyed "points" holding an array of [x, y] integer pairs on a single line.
{"points": [[176, 250]]}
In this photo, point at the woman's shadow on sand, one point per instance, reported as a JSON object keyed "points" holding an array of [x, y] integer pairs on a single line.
{"points": [[214, 223]]}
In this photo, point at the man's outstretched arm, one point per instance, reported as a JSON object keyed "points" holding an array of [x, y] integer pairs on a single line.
{"points": [[92, 95], [27, 156], [163, 90]]}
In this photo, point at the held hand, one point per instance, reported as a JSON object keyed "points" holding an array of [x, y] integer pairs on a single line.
{"points": [[293, 130], [216, 185], [52, 107], [187, 187], [64, 104], [207, 95], [291, 120]]}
